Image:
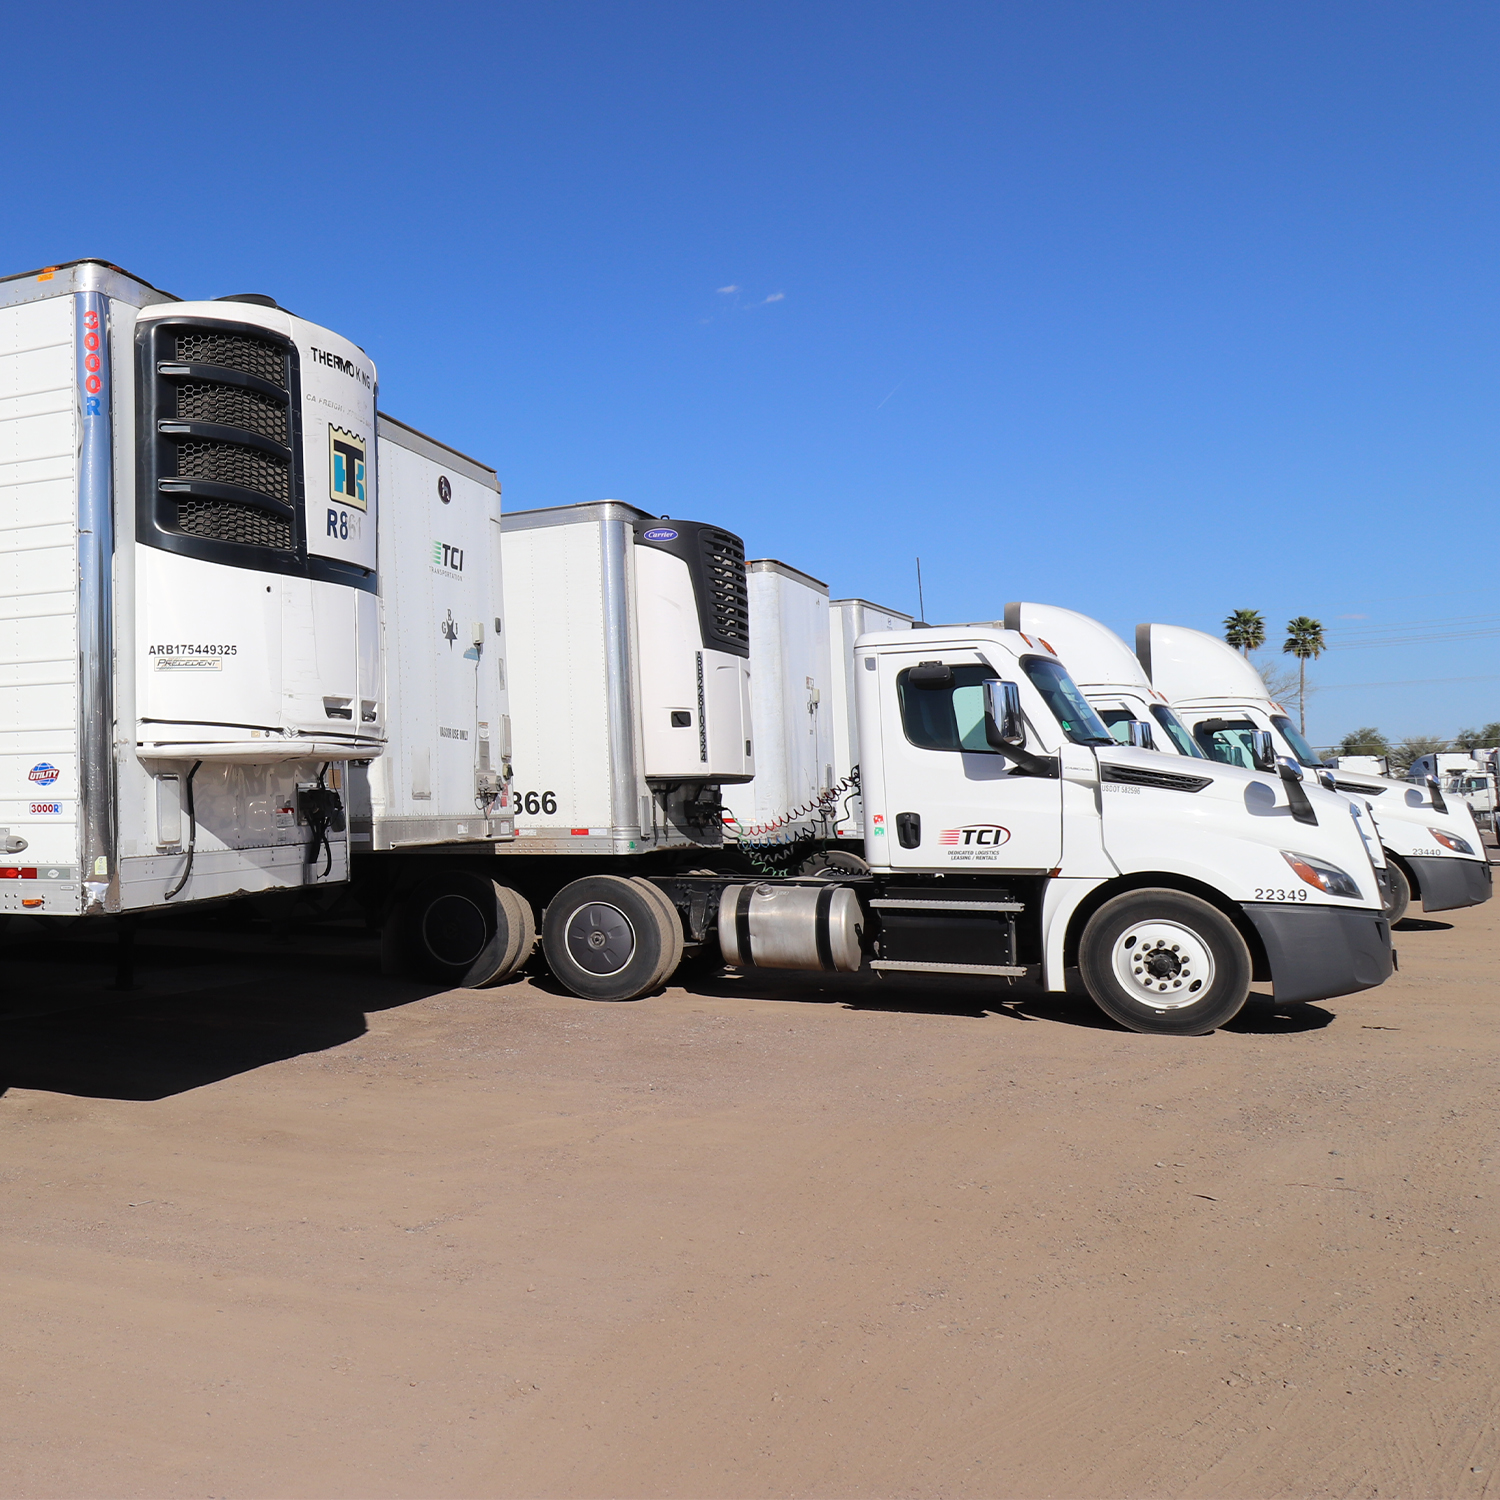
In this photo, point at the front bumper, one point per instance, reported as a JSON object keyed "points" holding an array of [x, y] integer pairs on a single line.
{"points": [[1316, 952], [1448, 883]]}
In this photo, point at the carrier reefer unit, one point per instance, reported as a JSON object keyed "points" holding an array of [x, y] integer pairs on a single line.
{"points": [[790, 800], [445, 776], [189, 648], [848, 619], [1432, 850], [629, 662]]}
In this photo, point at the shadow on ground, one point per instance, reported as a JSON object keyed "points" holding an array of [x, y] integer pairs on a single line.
{"points": [[206, 1006]]}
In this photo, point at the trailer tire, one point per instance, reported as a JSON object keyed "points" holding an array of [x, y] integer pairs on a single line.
{"points": [[1400, 897], [671, 929], [1163, 961], [461, 929], [605, 938]]}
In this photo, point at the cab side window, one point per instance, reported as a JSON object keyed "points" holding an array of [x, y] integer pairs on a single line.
{"points": [[950, 717], [1229, 746]]}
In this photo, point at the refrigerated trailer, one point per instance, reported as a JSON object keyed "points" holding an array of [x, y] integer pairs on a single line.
{"points": [[189, 645], [789, 803]]}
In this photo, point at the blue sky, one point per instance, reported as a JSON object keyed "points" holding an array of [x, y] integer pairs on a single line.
{"points": [[1152, 310]]}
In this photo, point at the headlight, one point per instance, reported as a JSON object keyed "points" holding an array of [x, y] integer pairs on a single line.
{"points": [[1321, 875], [1452, 841]]}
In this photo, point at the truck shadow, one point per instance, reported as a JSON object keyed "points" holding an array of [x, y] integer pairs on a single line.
{"points": [[202, 1011]]}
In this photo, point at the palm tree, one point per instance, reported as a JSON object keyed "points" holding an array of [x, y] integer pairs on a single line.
{"points": [[1245, 629], [1304, 640]]}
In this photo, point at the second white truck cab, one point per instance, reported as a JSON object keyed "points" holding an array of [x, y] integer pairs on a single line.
{"points": [[1434, 851], [1010, 836]]}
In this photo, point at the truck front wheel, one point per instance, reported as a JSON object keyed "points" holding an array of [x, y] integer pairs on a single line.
{"points": [[1400, 889], [1163, 961], [607, 938]]}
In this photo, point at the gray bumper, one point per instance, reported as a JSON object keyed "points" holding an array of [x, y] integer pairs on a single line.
{"points": [[1320, 951], [1447, 883]]}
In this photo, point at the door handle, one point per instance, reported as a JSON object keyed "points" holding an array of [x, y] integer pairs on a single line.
{"points": [[909, 829]]}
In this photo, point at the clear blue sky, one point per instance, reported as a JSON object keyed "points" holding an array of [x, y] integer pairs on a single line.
{"points": [[1152, 310]]}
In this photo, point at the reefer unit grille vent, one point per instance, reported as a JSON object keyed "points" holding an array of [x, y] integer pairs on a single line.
{"points": [[234, 406], [233, 463], [728, 598], [229, 521], [233, 351], [221, 463]]}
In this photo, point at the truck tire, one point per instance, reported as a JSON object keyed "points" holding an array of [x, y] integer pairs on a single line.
{"points": [[671, 930], [1163, 961], [462, 929], [605, 938], [1400, 897]]}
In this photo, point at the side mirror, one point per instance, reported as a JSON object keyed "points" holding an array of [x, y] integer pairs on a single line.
{"points": [[1004, 726], [1263, 750], [1296, 794], [1436, 792], [1140, 734], [1327, 779]]}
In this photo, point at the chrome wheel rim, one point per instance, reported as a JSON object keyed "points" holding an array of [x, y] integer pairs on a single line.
{"points": [[600, 938], [1163, 965]]}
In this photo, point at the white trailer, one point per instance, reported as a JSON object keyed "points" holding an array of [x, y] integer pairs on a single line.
{"points": [[1362, 765], [788, 803], [189, 644], [848, 619], [1432, 851]]}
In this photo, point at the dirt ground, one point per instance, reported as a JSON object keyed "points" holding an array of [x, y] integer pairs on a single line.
{"points": [[276, 1226]]}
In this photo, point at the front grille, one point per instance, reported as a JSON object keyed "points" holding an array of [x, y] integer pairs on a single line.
{"points": [[728, 598], [232, 521], [232, 463], [1167, 781], [234, 351], [233, 406]]}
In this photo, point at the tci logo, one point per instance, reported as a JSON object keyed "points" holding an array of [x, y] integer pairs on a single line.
{"points": [[444, 556], [989, 835]]}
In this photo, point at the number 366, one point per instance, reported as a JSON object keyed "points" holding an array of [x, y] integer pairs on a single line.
{"points": [[537, 802]]}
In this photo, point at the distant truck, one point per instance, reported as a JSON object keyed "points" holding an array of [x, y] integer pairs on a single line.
{"points": [[1465, 776], [1434, 851]]}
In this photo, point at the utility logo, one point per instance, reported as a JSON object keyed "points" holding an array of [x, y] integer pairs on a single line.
{"points": [[983, 835], [346, 468], [444, 556], [43, 774]]}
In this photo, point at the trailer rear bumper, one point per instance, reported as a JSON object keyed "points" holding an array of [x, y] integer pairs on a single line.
{"points": [[1316, 952], [1445, 884]]}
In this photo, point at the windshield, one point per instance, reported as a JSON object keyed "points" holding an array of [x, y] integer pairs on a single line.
{"points": [[1176, 730], [1300, 748], [1072, 710]]}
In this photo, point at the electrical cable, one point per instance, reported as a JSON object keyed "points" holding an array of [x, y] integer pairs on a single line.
{"points": [[187, 869]]}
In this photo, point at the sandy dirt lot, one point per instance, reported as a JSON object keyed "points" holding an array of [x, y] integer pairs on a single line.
{"points": [[276, 1226]]}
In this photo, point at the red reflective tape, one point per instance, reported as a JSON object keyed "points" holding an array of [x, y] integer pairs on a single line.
{"points": [[578, 831]]}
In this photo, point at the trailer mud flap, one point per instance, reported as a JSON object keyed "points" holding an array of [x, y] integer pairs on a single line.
{"points": [[1316, 952]]}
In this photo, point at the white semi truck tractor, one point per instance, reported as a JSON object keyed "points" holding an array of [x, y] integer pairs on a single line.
{"points": [[189, 642], [1433, 850], [1009, 836]]}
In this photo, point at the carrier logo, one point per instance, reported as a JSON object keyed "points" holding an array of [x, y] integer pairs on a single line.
{"points": [[43, 774], [985, 835], [444, 556], [661, 534], [346, 467]]}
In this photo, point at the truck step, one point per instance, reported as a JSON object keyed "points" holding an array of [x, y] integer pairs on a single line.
{"points": [[905, 966], [902, 903]]}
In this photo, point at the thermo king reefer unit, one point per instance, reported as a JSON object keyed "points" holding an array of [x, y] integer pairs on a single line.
{"points": [[189, 646]]}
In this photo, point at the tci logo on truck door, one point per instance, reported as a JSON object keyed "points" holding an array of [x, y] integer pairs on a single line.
{"points": [[974, 840]]}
